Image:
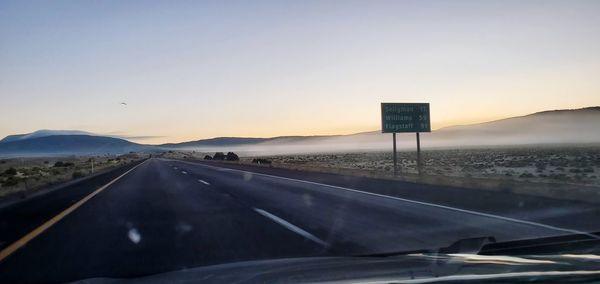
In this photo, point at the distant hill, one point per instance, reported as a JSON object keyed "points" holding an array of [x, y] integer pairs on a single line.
{"points": [[59, 145], [576, 126], [42, 133], [219, 141], [235, 141], [547, 127], [573, 126]]}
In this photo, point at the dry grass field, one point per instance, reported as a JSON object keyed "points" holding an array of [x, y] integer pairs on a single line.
{"points": [[24, 175], [572, 165]]}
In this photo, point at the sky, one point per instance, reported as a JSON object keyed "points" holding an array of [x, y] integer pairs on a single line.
{"points": [[198, 69]]}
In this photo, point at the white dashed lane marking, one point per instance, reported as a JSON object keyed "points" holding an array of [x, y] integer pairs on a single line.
{"points": [[291, 227]]}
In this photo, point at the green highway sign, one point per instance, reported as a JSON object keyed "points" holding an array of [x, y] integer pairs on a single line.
{"points": [[405, 117]]}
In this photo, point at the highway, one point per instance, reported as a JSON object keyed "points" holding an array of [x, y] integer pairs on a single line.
{"points": [[164, 215]]}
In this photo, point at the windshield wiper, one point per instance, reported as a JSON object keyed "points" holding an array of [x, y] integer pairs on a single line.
{"points": [[575, 243], [462, 246]]}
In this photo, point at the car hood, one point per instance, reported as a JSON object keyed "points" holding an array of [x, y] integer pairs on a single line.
{"points": [[412, 268]]}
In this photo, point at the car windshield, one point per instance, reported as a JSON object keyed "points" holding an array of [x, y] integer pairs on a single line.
{"points": [[299, 141]]}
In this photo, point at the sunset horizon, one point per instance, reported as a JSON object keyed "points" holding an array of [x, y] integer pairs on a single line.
{"points": [[166, 140], [209, 69]]}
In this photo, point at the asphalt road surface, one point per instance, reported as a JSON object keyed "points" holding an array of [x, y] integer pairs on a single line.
{"points": [[166, 215]]}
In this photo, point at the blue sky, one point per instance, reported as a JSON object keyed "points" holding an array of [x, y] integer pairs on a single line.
{"points": [[198, 69]]}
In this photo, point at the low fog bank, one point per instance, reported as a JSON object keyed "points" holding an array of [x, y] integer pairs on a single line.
{"points": [[562, 127], [542, 128]]}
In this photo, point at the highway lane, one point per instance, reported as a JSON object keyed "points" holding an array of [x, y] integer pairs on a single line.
{"points": [[152, 220], [167, 215], [578, 215], [358, 223]]}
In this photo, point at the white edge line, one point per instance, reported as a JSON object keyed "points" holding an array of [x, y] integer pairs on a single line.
{"points": [[477, 213], [291, 227]]}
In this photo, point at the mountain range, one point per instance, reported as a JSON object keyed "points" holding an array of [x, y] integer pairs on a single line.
{"points": [[573, 126]]}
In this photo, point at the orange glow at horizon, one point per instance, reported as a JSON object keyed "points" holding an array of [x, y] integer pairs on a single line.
{"points": [[199, 69], [274, 132]]}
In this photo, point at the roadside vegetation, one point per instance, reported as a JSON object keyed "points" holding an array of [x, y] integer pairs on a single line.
{"points": [[217, 156], [575, 165], [26, 175]]}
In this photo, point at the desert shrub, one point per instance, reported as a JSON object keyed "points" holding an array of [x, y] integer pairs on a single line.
{"points": [[559, 176], [231, 156], [10, 181], [526, 175], [46, 162], [78, 174], [261, 161], [2, 162], [207, 157], [10, 172], [219, 156]]}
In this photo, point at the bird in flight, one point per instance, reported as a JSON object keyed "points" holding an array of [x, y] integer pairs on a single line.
{"points": [[124, 104]]}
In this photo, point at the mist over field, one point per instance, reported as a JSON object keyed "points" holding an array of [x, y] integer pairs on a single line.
{"points": [[559, 127], [580, 126]]}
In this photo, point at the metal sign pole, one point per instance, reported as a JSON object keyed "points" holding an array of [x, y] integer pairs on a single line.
{"points": [[418, 153], [395, 156]]}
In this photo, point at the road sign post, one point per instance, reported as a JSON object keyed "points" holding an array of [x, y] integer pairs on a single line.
{"points": [[395, 158], [418, 153], [405, 118]]}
